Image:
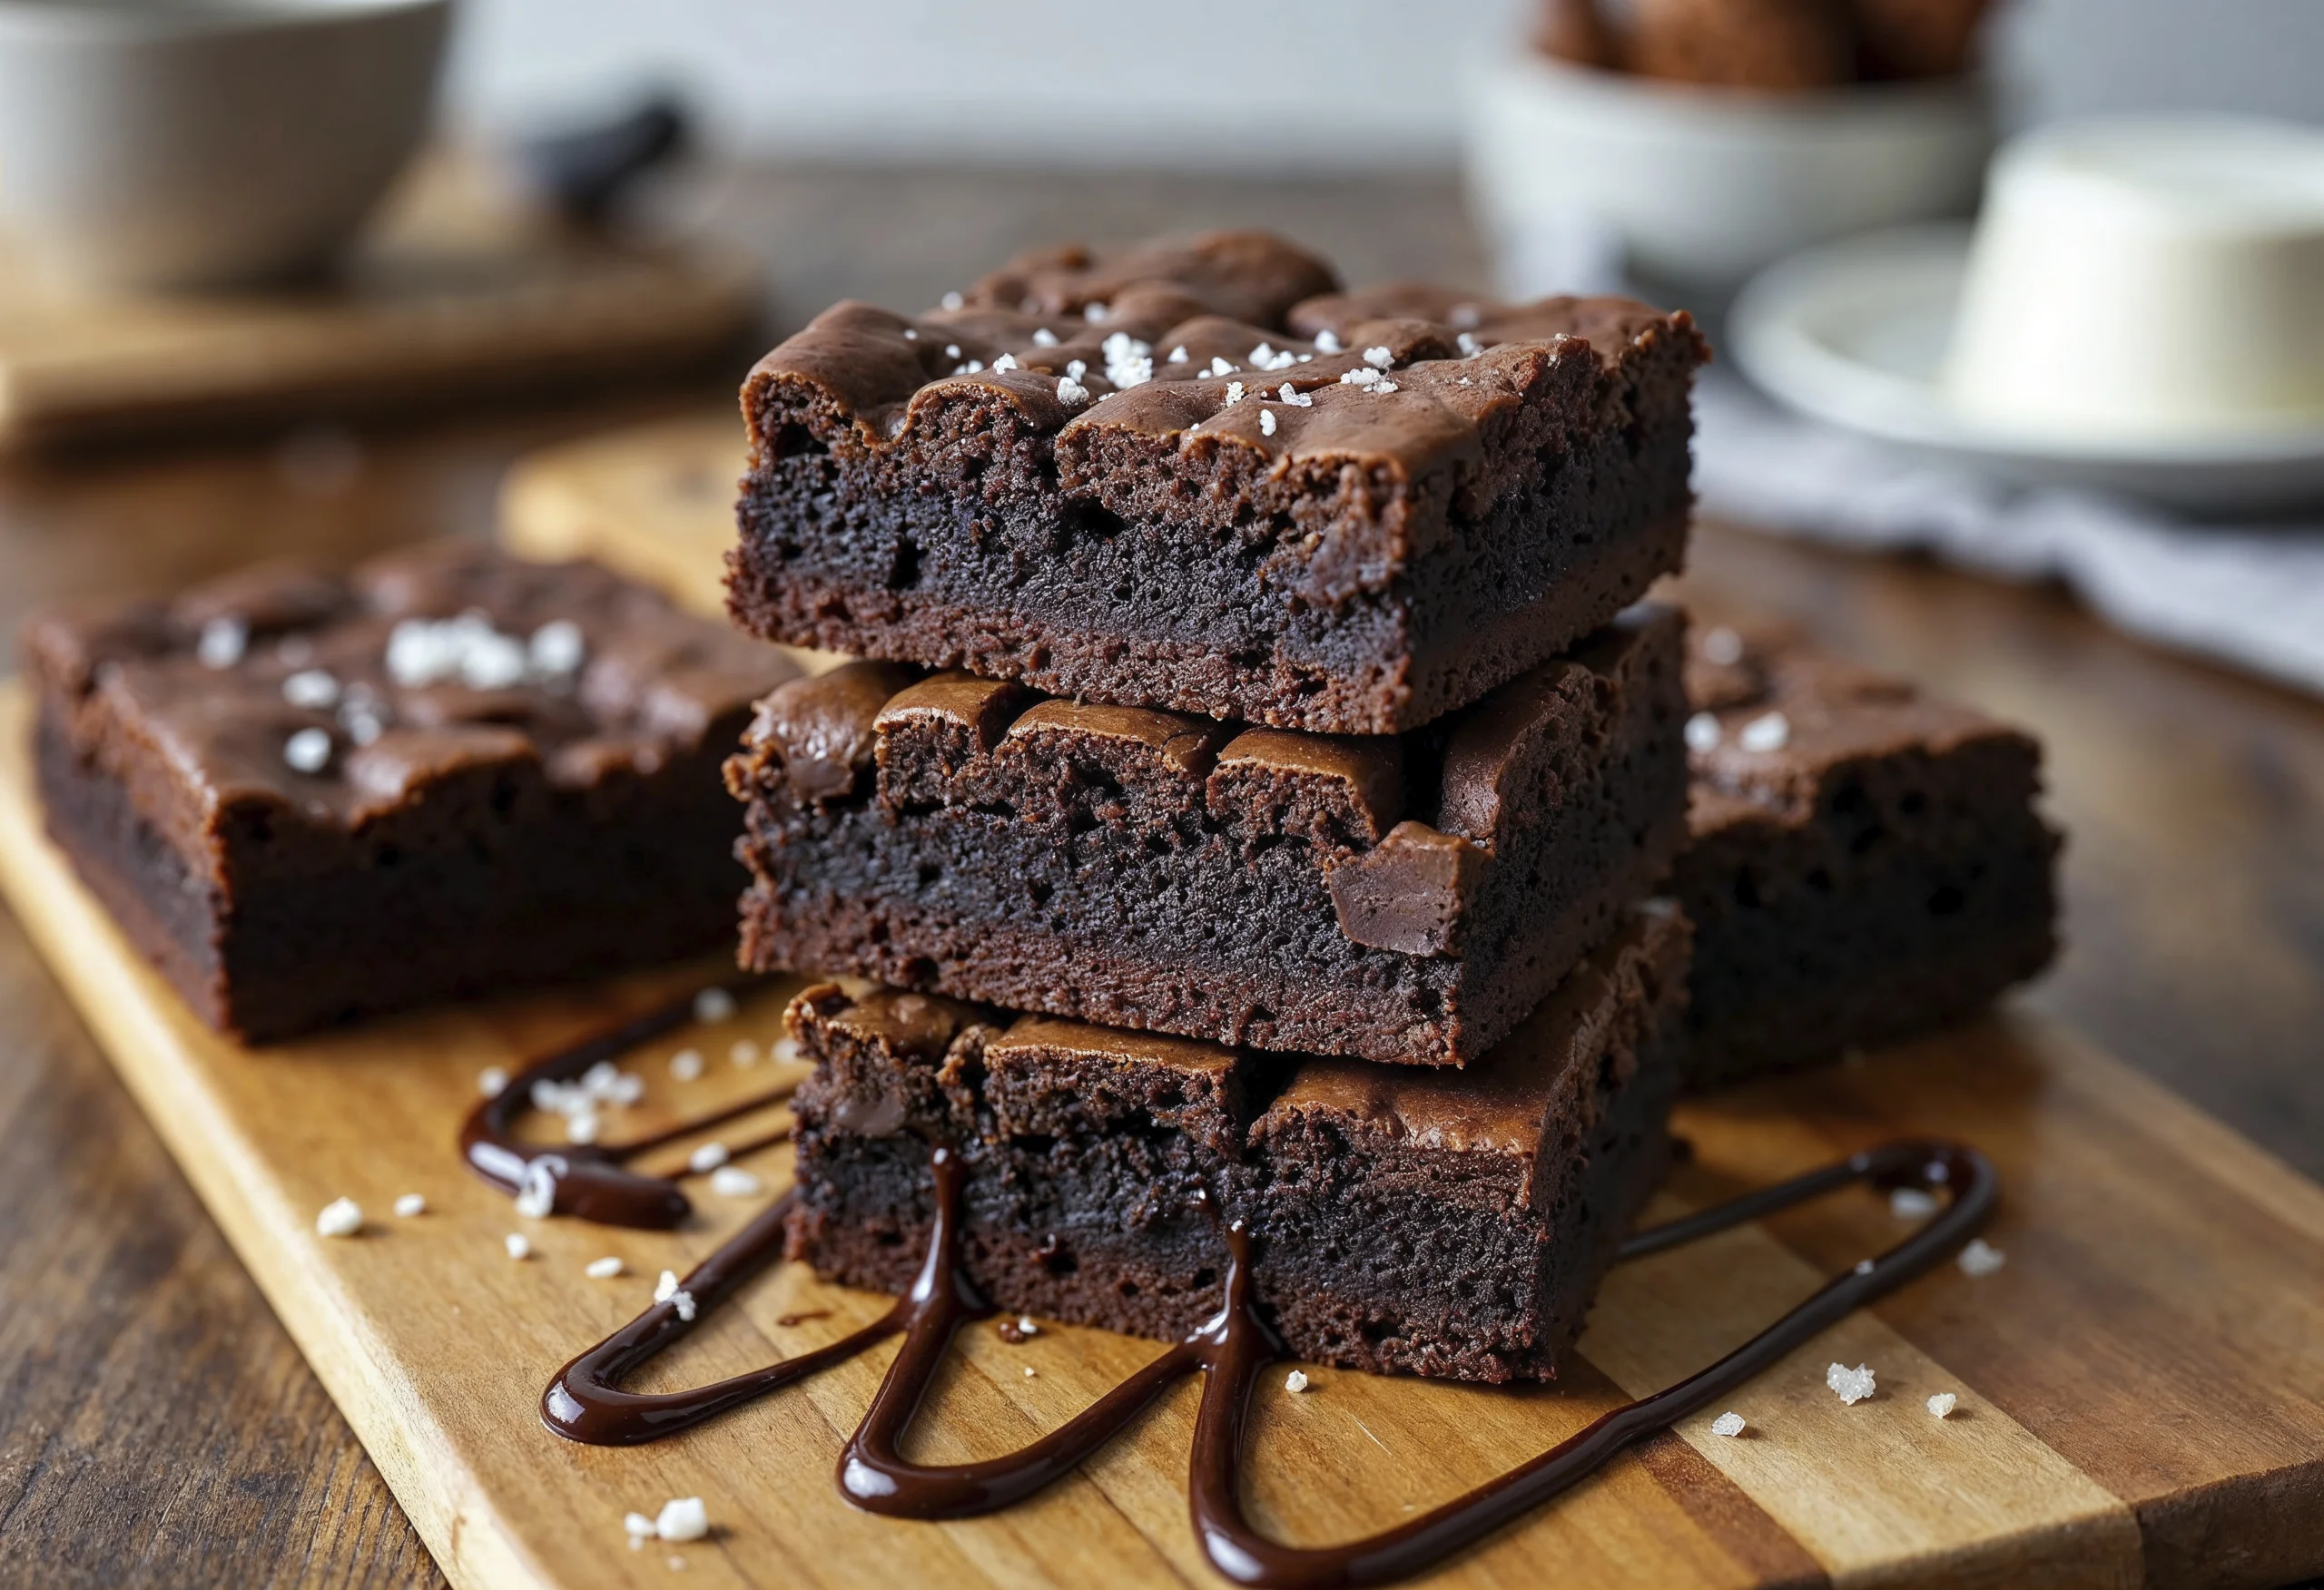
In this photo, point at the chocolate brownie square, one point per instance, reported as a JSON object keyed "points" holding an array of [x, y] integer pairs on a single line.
{"points": [[1431, 1223], [1196, 476], [307, 796], [1402, 898], [1865, 861]]}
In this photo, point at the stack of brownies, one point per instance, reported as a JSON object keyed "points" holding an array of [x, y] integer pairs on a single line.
{"points": [[1258, 723], [1252, 795]]}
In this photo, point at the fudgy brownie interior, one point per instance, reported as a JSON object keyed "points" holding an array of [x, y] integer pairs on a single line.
{"points": [[1864, 861], [308, 796], [1404, 899], [1195, 475], [1412, 1221]]}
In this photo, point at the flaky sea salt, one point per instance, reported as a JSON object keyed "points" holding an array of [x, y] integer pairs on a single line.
{"points": [[1469, 346], [1853, 1385], [743, 1053], [1722, 646], [1702, 733], [1981, 1258], [1380, 358], [682, 1518], [1044, 337], [556, 648], [1727, 1424], [1234, 393], [1942, 1404], [223, 641], [308, 750], [1911, 1204], [603, 1269], [537, 1195], [1767, 732], [1294, 1382], [518, 1244], [952, 300], [1006, 362], [411, 1204], [682, 1301], [311, 688], [686, 1065], [1328, 341], [639, 1527], [1292, 397], [1070, 392], [341, 1217], [1266, 422], [492, 1081], [666, 1287], [733, 1182], [714, 1004], [708, 1158]]}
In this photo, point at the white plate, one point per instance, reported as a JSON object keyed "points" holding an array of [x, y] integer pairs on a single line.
{"points": [[1852, 334]]}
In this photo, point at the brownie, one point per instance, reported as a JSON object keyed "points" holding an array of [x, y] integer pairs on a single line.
{"points": [[306, 796], [1431, 1223], [1864, 861], [1196, 476], [1404, 899]]}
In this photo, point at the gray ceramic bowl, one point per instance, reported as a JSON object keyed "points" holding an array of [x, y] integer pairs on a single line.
{"points": [[205, 143]]}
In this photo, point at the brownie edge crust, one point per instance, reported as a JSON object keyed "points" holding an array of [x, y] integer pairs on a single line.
{"points": [[1452, 1225], [1195, 476]]}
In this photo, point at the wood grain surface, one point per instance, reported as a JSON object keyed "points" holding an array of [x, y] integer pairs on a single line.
{"points": [[160, 1428], [459, 290], [2164, 1276]]}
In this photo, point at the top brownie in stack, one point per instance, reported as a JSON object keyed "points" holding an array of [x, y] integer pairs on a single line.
{"points": [[1195, 476], [310, 796], [1864, 861]]}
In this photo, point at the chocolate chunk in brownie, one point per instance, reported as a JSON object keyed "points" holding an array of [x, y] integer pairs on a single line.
{"points": [[1451, 1223], [1865, 861], [1404, 899], [1195, 476], [307, 796]]}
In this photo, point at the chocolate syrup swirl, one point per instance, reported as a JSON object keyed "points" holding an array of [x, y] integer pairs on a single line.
{"points": [[584, 1402], [590, 1180]]}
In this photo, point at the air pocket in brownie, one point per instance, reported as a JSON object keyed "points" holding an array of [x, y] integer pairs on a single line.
{"points": [[1865, 861], [308, 796], [1450, 1223], [1403, 898], [1197, 476]]}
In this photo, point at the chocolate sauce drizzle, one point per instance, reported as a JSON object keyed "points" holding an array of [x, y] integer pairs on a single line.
{"points": [[590, 1180], [585, 1403]]}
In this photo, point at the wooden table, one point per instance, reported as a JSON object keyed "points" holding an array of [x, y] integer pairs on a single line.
{"points": [[158, 1427]]}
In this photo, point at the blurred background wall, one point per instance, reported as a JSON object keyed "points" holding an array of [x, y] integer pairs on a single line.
{"points": [[1233, 84]]}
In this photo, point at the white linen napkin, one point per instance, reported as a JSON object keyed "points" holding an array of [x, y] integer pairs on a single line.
{"points": [[2251, 595]]}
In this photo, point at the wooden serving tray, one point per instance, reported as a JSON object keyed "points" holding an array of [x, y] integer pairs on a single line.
{"points": [[2141, 1387], [457, 291]]}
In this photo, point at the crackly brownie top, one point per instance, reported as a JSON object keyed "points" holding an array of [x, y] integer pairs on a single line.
{"points": [[1060, 1077], [1227, 339], [1526, 1089], [883, 731], [1774, 718], [343, 696]]}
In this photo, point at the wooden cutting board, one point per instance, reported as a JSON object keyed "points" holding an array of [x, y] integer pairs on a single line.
{"points": [[654, 500], [2141, 1385], [459, 291]]}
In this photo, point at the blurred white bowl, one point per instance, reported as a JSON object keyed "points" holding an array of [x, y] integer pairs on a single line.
{"points": [[205, 143], [1701, 187]]}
